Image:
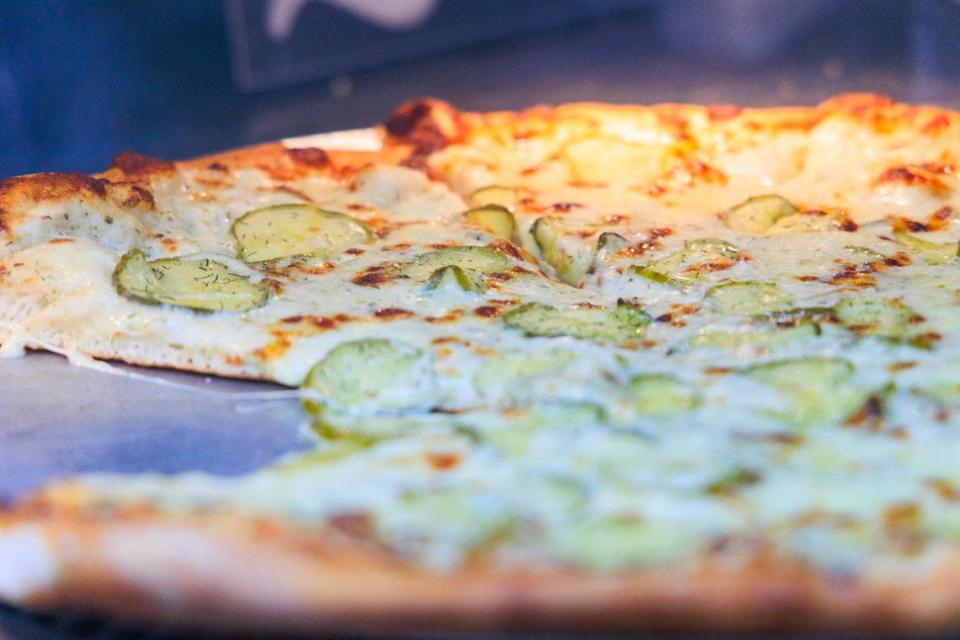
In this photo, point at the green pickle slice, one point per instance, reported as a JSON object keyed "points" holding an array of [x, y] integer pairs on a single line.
{"points": [[617, 324], [930, 252], [875, 316], [570, 259], [757, 214], [288, 230], [495, 218], [748, 298], [454, 277], [494, 194], [375, 373], [659, 394], [608, 245], [819, 390], [683, 267], [480, 260], [201, 284]]}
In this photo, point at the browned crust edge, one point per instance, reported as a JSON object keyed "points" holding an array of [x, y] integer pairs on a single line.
{"points": [[230, 573]]}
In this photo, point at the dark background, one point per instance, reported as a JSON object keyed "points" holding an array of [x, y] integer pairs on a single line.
{"points": [[82, 79]]}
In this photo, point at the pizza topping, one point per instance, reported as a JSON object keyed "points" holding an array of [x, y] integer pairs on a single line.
{"points": [[818, 390], [295, 230], [495, 218], [617, 324], [757, 214], [201, 284], [569, 257], [495, 195], [657, 394], [694, 261], [609, 244], [758, 340], [869, 316], [470, 260], [372, 376], [454, 277], [748, 298], [931, 252]]}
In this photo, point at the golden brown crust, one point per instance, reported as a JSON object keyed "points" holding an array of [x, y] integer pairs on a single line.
{"points": [[146, 566], [20, 195], [428, 125]]}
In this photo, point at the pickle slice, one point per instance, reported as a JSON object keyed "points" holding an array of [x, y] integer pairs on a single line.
{"points": [[495, 218], [748, 298], [608, 245], [494, 194], [289, 230], [875, 316], [754, 339], [569, 258], [618, 324], [684, 267], [757, 214], [931, 252], [659, 394], [199, 284], [371, 375], [817, 390], [453, 277], [862, 255], [518, 377], [469, 259]]}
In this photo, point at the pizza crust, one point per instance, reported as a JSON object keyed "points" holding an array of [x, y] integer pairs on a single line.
{"points": [[229, 573]]}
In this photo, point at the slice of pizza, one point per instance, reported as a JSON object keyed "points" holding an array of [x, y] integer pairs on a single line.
{"points": [[588, 367]]}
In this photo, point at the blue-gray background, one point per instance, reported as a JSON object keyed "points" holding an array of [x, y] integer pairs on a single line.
{"points": [[82, 79]]}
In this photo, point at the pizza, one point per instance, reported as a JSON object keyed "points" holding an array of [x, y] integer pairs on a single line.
{"points": [[587, 367]]}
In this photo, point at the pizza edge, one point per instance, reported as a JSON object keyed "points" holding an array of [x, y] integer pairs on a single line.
{"points": [[150, 567], [427, 125]]}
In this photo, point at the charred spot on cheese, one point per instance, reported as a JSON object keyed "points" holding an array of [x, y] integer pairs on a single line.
{"points": [[912, 176], [757, 214], [931, 252], [494, 195], [201, 284], [617, 324], [295, 230], [470, 260], [568, 255], [376, 275], [748, 298], [818, 390], [495, 218], [697, 258]]}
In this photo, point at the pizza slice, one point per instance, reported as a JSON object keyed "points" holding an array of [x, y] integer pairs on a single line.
{"points": [[579, 368]]}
